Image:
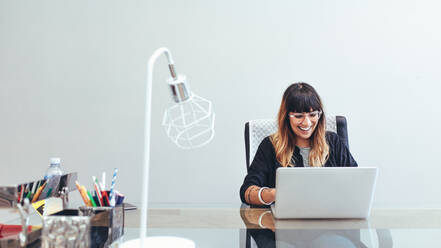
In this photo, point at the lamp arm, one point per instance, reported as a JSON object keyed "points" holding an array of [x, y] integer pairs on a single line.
{"points": [[147, 132], [171, 62]]}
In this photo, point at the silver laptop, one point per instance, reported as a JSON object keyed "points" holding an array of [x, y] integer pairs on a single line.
{"points": [[327, 192]]}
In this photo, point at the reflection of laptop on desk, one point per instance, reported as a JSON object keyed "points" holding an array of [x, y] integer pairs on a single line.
{"points": [[328, 192]]}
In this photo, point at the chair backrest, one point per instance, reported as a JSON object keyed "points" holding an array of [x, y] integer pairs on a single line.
{"points": [[257, 130]]}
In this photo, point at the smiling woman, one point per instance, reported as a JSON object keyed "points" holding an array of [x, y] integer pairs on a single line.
{"points": [[300, 141], [301, 123]]}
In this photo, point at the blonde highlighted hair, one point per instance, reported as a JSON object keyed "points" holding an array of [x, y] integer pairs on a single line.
{"points": [[300, 97]]}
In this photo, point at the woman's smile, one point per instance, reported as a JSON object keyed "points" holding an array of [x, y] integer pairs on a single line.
{"points": [[305, 128]]}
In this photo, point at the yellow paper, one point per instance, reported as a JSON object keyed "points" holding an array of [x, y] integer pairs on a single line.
{"points": [[39, 207]]}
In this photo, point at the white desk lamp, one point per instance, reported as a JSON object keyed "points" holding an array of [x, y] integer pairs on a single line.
{"points": [[189, 123]]}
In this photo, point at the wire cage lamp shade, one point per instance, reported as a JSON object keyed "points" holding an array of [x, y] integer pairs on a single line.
{"points": [[190, 124]]}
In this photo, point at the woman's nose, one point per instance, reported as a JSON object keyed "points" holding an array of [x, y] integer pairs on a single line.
{"points": [[306, 121]]}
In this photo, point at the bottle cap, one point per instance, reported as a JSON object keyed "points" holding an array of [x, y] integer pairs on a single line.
{"points": [[55, 160]]}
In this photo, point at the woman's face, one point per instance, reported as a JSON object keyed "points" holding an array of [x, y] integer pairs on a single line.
{"points": [[304, 124]]}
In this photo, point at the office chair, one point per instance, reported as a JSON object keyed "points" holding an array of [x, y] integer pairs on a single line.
{"points": [[257, 130]]}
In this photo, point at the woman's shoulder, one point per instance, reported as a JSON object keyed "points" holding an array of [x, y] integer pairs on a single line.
{"points": [[266, 141], [266, 145]]}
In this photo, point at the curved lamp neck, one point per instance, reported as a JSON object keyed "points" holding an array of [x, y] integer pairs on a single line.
{"points": [[171, 62]]}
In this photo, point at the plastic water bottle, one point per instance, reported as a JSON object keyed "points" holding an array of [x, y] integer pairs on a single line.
{"points": [[54, 168]]}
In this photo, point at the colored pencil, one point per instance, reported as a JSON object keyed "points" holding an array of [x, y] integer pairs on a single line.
{"points": [[84, 196], [84, 190], [38, 193], [91, 199], [98, 191], [104, 196]]}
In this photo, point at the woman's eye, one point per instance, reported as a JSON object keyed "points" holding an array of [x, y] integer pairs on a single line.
{"points": [[312, 115], [298, 116]]}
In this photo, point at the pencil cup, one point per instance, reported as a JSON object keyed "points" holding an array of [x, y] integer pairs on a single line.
{"points": [[107, 224]]}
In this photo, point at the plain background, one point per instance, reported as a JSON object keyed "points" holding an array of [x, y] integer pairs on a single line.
{"points": [[72, 84]]}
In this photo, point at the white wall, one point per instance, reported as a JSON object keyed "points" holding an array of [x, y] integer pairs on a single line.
{"points": [[72, 84]]}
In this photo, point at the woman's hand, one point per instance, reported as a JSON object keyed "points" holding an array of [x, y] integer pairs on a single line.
{"points": [[252, 195], [269, 195]]}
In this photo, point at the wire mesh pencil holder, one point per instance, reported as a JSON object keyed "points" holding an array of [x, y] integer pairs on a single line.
{"points": [[66, 231]]}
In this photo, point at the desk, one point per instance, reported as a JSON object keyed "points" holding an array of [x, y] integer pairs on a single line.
{"points": [[239, 227]]}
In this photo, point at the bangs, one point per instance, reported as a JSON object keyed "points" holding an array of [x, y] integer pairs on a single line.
{"points": [[303, 102]]}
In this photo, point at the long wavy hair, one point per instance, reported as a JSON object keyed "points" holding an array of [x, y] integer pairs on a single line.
{"points": [[300, 97]]}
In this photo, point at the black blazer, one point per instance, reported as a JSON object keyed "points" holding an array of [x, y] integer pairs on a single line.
{"points": [[262, 171]]}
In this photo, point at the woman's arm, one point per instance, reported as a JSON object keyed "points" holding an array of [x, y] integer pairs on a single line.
{"points": [[252, 195], [259, 174]]}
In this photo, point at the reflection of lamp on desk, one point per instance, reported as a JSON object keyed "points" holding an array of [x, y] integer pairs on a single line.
{"points": [[189, 123]]}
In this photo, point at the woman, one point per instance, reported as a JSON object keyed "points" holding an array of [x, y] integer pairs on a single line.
{"points": [[300, 141]]}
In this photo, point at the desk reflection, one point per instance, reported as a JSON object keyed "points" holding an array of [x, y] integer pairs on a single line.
{"points": [[263, 231]]}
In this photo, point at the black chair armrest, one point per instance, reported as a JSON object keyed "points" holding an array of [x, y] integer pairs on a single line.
{"points": [[342, 129], [247, 144]]}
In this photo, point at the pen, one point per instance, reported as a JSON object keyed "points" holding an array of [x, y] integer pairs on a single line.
{"points": [[96, 199], [103, 194], [91, 199], [97, 189]]}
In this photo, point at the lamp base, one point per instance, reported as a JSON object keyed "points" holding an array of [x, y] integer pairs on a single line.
{"points": [[161, 242]]}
